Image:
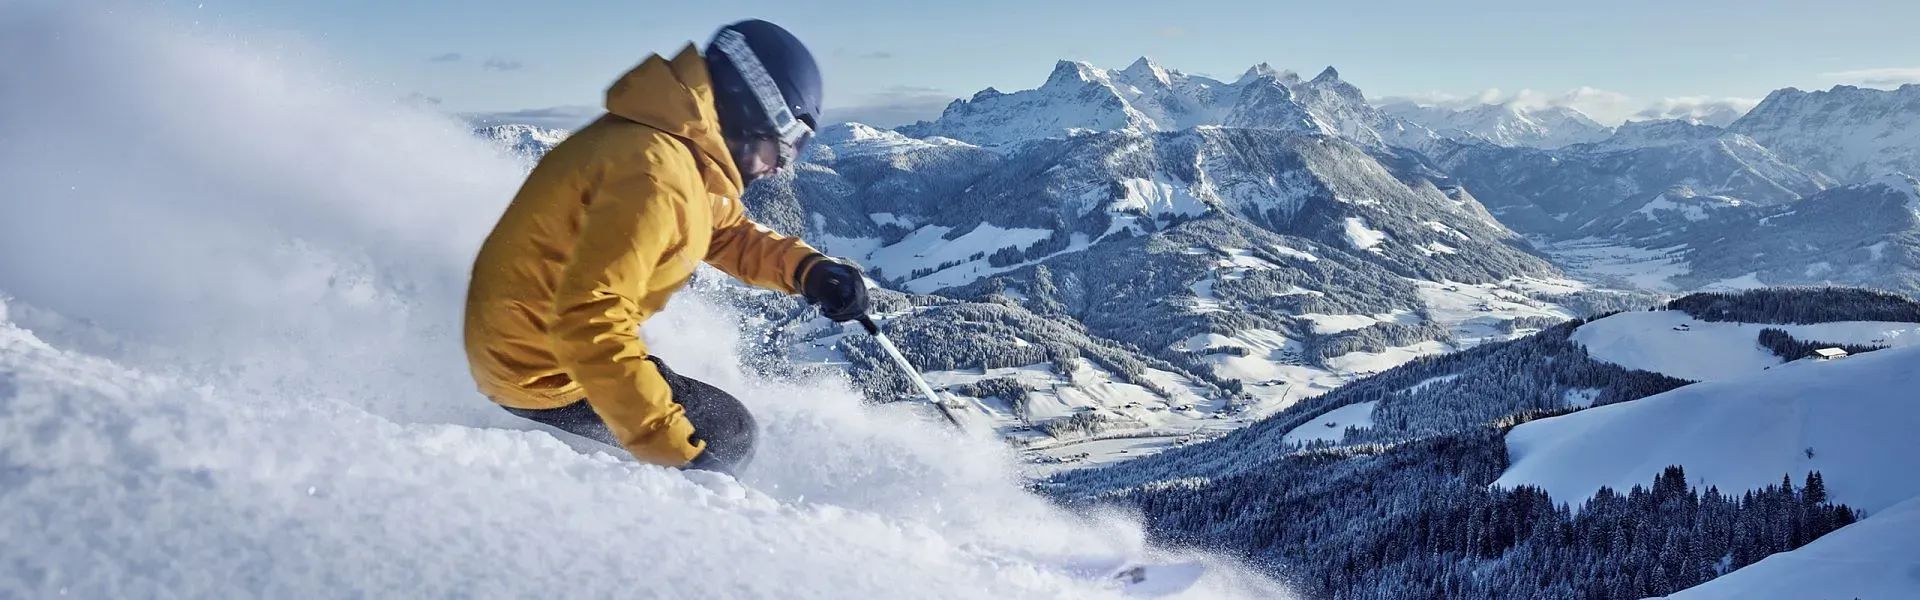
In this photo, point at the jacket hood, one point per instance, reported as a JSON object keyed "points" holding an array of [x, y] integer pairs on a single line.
{"points": [[676, 96]]}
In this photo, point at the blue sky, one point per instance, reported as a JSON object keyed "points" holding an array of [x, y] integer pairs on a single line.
{"points": [[890, 60]]}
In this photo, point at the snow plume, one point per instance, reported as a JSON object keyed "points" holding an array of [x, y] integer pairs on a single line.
{"points": [[230, 367]]}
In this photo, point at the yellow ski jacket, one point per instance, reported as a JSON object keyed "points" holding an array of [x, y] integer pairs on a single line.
{"points": [[609, 225]]}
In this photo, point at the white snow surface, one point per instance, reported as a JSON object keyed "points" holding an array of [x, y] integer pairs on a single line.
{"points": [[1332, 324], [1332, 427], [857, 139], [1691, 208], [928, 247], [1711, 351], [1753, 422], [1857, 416], [1294, 253], [242, 376], [1362, 236], [1619, 264], [1158, 196]]}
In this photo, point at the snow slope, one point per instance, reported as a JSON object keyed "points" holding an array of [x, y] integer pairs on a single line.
{"points": [[1712, 351], [1751, 422], [241, 377], [1852, 419], [1332, 427], [1875, 558]]}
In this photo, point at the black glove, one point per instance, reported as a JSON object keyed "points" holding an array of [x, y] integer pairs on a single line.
{"points": [[706, 461], [836, 287]]}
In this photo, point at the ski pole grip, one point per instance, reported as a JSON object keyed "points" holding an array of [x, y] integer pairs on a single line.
{"points": [[867, 322]]}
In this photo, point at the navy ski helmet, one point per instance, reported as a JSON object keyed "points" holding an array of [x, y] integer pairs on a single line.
{"points": [[765, 86]]}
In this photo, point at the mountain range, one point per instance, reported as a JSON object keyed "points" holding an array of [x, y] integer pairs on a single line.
{"points": [[1505, 124], [1294, 302], [1264, 240]]}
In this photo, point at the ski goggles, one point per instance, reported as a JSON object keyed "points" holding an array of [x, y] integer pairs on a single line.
{"points": [[792, 133]]}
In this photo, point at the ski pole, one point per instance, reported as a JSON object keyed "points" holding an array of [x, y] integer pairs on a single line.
{"points": [[907, 367]]}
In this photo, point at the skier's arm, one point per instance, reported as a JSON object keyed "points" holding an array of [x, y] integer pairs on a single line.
{"points": [[630, 224], [752, 253]]}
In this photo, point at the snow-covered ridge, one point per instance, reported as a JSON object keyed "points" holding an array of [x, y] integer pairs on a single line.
{"points": [[528, 142], [856, 139], [1145, 97], [1507, 124], [1658, 132], [1848, 132], [1754, 421], [1851, 419], [1902, 184], [1676, 344]]}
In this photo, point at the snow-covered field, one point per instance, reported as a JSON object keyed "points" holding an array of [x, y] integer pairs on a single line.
{"points": [[1676, 344], [1270, 364], [929, 247], [1853, 420], [1332, 427], [1478, 313], [1149, 422], [1613, 263], [230, 367]]}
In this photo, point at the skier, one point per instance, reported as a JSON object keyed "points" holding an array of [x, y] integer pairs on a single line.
{"points": [[614, 220]]}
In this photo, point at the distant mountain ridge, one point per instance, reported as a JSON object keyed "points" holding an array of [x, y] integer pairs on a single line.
{"points": [[1505, 124], [1145, 97], [1850, 133], [529, 142]]}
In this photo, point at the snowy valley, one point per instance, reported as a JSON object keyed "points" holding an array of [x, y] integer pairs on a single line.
{"points": [[1471, 453]]}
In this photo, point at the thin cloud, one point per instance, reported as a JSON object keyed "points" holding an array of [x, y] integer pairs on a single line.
{"points": [[893, 106], [1706, 109], [1885, 77], [446, 58], [863, 55], [501, 64], [1171, 32], [553, 117], [1605, 106]]}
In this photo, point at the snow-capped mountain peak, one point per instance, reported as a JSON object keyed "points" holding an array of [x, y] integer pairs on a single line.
{"points": [[1848, 132], [1506, 123], [1144, 70], [1145, 97], [1657, 132], [1267, 70], [1072, 72]]}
